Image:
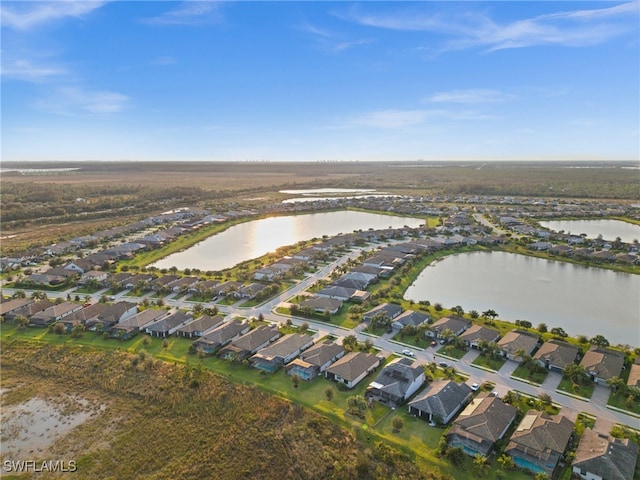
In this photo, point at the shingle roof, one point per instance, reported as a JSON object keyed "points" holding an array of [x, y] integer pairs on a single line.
{"points": [[256, 337], [603, 363], [321, 353], [397, 376], [479, 332], [452, 322], [353, 364], [486, 417], [202, 324], [557, 352], [539, 432], [285, 346], [441, 397], [611, 458], [517, 339]]}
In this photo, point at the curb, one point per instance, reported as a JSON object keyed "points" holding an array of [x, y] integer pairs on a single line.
{"points": [[577, 397]]}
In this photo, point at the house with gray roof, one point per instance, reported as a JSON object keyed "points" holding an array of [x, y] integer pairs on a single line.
{"points": [[315, 359], [83, 316], [28, 309], [555, 355], [481, 424], [14, 304], [281, 352], [453, 322], [391, 310], [477, 333], [396, 382], [131, 326], [600, 457], [517, 340], [440, 401], [352, 368], [221, 336], [602, 364], [250, 343], [540, 441], [409, 318], [340, 293], [168, 325], [322, 304], [199, 326]]}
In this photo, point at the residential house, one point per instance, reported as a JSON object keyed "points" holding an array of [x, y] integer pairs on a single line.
{"points": [[349, 283], [140, 280], [250, 343], [555, 355], [634, 374], [168, 325], [111, 315], [477, 333], [82, 316], [184, 284], [93, 275], [315, 360], [129, 327], [602, 364], [540, 441], [221, 336], [600, 457], [281, 352], [200, 326], [409, 318], [391, 310], [481, 424], [396, 382], [340, 293], [250, 291], [322, 304], [440, 401], [516, 341], [54, 313], [352, 368], [227, 288], [165, 282], [13, 305], [454, 323], [364, 278]]}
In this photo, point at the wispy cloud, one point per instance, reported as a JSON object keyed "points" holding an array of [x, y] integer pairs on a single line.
{"points": [[397, 119], [470, 96], [26, 15], [189, 13], [329, 41], [165, 60], [576, 28], [76, 100], [27, 70]]}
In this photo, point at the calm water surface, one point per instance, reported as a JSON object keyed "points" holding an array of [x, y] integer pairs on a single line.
{"points": [[609, 229], [581, 300], [256, 238]]}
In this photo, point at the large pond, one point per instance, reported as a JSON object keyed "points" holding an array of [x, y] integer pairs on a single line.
{"points": [[256, 238], [609, 229], [582, 300]]}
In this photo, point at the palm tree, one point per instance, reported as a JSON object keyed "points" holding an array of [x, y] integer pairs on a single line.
{"points": [[506, 462], [576, 373], [19, 294], [39, 295]]}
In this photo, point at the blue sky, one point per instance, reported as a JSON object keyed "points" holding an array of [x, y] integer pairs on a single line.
{"points": [[281, 81]]}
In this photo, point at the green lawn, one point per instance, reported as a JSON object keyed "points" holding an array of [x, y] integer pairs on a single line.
{"points": [[624, 402], [523, 372], [414, 340], [491, 363], [566, 385], [451, 351]]}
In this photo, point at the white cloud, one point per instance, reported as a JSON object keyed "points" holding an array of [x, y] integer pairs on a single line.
{"points": [[28, 71], [25, 15], [470, 96], [166, 60], [390, 118], [331, 41], [75, 100], [189, 13], [472, 30]]}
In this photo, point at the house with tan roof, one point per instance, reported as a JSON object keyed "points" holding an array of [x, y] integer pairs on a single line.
{"points": [[634, 375], [481, 424], [540, 441], [555, 355], [600, 457], [477, 333], [517, 340], [53, 314], [250, 343], [602, 364], [131, 326], [352, 368]]}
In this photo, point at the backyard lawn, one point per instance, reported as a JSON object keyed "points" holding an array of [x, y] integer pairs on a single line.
{"points": [[523, 372], [489, 362]]}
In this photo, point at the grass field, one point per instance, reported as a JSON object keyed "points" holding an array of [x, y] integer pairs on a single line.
{"points": [[585, 391], [489, 362], [523, 372]]}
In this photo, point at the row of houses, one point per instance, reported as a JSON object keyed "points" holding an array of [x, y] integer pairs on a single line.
{"points": [[604, 255]]}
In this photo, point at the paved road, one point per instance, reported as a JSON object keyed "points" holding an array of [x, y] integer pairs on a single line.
{"points": [[502, 380]]}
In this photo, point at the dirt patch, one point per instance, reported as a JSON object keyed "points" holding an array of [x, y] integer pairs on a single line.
{"points": [[31, 427]]}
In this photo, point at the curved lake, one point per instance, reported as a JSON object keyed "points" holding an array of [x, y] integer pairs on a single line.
{"points": [[609, 229], [258, 237], [582, 300]]}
